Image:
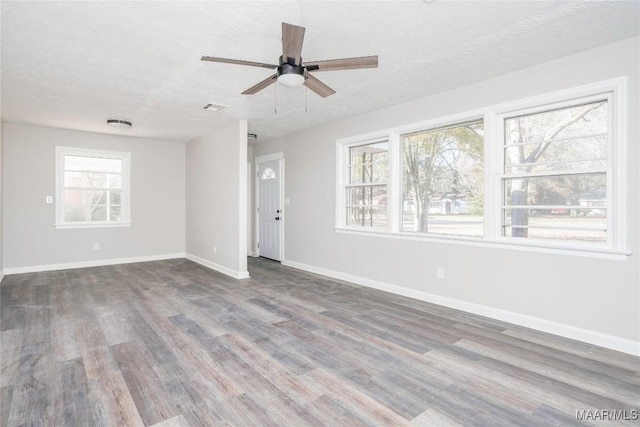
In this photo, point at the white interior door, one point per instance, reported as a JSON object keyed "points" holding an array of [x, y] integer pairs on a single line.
{"points": [[269, 209]]}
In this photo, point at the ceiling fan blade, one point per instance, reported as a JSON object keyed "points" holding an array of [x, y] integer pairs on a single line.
{"points": [[317, 86], [343, 64], [238, 62], [257, 88], [292, 38]]}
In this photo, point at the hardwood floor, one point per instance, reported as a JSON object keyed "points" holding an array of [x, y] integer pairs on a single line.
{"points": [[171, 343]]}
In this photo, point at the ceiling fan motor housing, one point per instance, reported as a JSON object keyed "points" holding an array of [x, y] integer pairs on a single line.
{"points": [[290, 74], [289, 67]]}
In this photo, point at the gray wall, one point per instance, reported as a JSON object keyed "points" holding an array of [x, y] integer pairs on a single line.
{"points": [[216, 202], [157, 199], [596, 295]]}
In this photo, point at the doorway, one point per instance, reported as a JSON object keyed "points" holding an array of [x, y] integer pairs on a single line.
{"points": [[270, 215]]}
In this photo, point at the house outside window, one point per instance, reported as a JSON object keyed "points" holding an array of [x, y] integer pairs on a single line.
{"points": [[442, 180]]}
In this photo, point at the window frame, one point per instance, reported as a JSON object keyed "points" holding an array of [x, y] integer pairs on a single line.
{"points": [[125, 198], [348, 186], [608, 170], [430, 126], [613, 90], [343, 177]]}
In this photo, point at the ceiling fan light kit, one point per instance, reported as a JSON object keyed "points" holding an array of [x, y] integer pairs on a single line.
{"points": [[292, 71], [290, 75], [291, 80]]}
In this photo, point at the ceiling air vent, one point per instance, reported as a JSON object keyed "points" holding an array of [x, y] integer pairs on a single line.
{"points": [[213, 107]]}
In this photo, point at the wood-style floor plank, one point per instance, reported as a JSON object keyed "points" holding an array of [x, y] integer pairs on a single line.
{"points": [[171, 343], [150, 398]]}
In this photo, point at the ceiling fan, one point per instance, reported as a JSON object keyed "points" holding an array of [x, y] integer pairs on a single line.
{"points": [[292, 71]]}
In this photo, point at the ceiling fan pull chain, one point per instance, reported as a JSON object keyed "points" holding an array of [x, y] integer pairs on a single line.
{"points": [[275, 101]]}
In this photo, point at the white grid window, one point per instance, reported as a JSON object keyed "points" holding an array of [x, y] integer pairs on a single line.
{"points": [[366, 187], [546, 172], [555, 174], [92, 188]]}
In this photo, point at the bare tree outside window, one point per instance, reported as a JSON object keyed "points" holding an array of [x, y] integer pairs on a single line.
{"points": [[555, 184], [442, 180], [92, 189]]}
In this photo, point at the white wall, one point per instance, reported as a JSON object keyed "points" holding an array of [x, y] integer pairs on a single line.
{"points": [[595, 300], [1, 269], [29, 237], [251, 198], [216, 208]]}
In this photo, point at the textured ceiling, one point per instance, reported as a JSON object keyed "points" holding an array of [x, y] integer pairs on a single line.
{"points": [[74, 64]]}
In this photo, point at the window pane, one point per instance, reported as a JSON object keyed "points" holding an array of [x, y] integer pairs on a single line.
{"points": [[556, 201], [92, 213], [77, 213], [268, 173], [586, 224], [367, 206], [442, 180], [114, 213], [565, 139], [114, 197], [464, 225], [115, 181], [369, 195], [93, 164], [74, 179], [99, 213], [367, 216], [74, 197], [85, 197], [86, 180], [369, 163]]}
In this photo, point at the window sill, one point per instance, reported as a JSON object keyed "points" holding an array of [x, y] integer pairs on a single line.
{"points": [[91, 225], [493, 244]]}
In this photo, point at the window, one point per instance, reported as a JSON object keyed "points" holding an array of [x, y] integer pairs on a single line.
{"points": [[442, 180], [555, 174], [366, 189], [544, 172], [92, 188], [268, 174]]}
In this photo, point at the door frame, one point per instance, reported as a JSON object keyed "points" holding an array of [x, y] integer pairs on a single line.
{"points": [[261, 159]]}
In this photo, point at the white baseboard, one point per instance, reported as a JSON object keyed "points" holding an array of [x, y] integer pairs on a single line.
{"points": [[548, 326], [93, 263], [217, 267]]}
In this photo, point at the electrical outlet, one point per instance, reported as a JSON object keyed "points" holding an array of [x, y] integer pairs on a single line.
{"points": [[440, 273], [96, 246], [48, 199]]}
